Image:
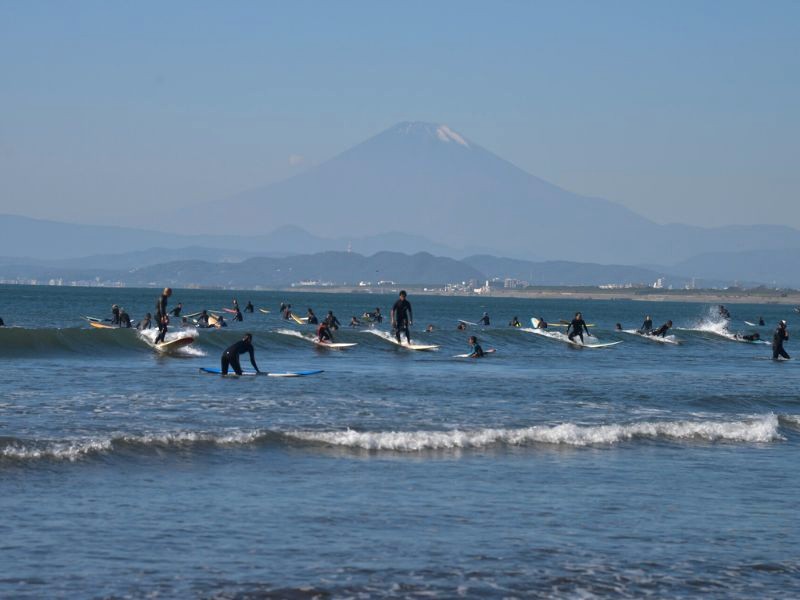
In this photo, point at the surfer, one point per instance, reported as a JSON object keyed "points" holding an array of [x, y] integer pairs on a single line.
{"points": [[287, 311], [429, 328], [761, 321], [161, 304], [332, 321], [163, 327], [402, 317], [176, 312], [780, 336], [202, 320], [249, 308], [662, 331], [477, 351], [221, 321], [354, 322], [377, 316], [324, 333], [311, 318], [461, 326], [542, 324], [514, 322], [230, 358], [238, 316], [647, 326], [2, 323], [114, 314], [484, 320], [724, 312], [235, 304], [576, 328], [145, 323], [124, 319], [618, 326], [748, 337]]}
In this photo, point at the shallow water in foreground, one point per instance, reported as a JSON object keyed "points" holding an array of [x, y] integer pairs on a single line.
{"points": [[545, 470]]}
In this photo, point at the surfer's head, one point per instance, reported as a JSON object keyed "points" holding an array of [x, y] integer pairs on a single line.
{"points": [[782, 324], [578, 315], [248, 337], [167, 292], [473, 339], [403, 293]]}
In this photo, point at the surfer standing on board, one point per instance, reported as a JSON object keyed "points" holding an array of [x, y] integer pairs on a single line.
{"points": [[576, 328], [230, 358], [647, 326], [484, 320], [402, 317], [324, 333]]}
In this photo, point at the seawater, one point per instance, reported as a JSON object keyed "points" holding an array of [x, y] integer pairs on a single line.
{"points": [[542, 471]]}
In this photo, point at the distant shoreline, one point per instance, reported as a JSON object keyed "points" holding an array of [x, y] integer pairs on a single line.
{"points": [[789, 297], [701, 296]]}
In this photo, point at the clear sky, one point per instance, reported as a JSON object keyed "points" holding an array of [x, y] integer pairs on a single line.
{"points": [[683, 111]]}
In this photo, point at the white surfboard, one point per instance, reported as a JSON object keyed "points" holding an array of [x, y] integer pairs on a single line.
{"points": [[485, 352], [264, 310], [561, 337], [211, 371], [670, 339], [390, 338], [334, 345], [467, 322]]}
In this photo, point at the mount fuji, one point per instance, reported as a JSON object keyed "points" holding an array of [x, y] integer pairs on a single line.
{"points": [[427, 180]]}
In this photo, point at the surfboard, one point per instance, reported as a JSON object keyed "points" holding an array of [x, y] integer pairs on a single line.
{"points": [[98, 325], [230, 310], [389, 338], [670, 339], [298, 320], [263, 310], [94, 319], [193, 315], [751, 324], [174, 344], [467, 322], [485, 352], [212, 371], [561, 337], [334, 345], [565, 323]]}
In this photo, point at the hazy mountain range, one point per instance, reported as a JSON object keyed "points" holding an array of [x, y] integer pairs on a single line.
{"points": [[417, 187]]}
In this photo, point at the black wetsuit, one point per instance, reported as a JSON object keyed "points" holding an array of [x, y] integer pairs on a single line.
{"points": [[780, 336], [145, 323], [230, 358], [484, 320], [202, 321], [312, 319], [124, 320], [332, 322], [647, 326], [324, 333], [238, 316], [377, 317], [514, 323], [161, 306], [577, 326], [403, 315], [249, 308], [115, 315], [176, 312], [2, 323], [162, 330], [761, 322], [661, 331]]}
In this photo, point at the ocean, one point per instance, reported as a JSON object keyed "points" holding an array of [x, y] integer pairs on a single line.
{"points": [[544, 470]]}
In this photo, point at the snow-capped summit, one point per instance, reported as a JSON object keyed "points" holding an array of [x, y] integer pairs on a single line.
{"points": [[440, 132]]}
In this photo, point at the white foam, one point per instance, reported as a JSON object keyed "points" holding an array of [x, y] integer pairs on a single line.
{"points": [[760, 429]]}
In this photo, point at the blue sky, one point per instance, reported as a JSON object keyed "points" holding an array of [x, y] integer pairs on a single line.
{"points": [[683, 111]]}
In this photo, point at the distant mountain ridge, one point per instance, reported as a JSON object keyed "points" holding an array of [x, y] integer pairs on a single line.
{"points": [[426, 179]]}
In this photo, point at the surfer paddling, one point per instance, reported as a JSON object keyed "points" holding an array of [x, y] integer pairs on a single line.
{"points": [[402, 317], [662, 331], [230, 358]]}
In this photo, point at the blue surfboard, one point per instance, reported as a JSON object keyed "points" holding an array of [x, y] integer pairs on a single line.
{"points": [[213, 371]]}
